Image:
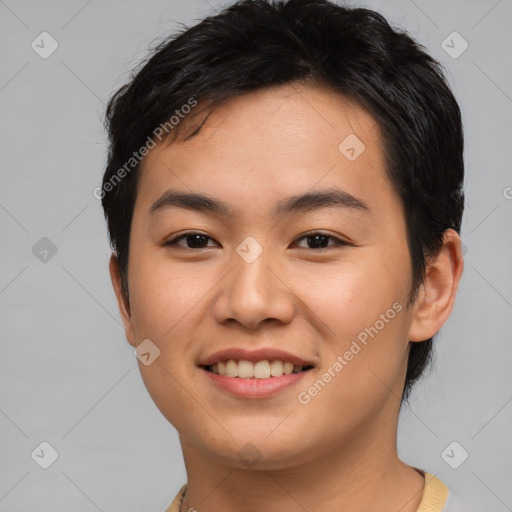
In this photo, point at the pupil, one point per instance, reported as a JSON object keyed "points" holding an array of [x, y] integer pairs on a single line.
{"points": [[196, 240], [316, 240]]}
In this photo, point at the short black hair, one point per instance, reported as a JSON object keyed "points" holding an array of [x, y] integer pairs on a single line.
{"points": [[254, 44]]}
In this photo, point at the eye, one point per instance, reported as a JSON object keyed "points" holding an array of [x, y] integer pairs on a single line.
{"points": [[318, 238], [196, 239]]}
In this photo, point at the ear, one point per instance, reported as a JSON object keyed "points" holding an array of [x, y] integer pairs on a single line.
{"points": [[122, 300], [437, 296]]}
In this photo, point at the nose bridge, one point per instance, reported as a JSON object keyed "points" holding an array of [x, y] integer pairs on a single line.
{"points": [[252, 292]]}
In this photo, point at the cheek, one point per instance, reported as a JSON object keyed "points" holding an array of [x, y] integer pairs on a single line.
{"points": [[362, 370], [363, 306], [165, 294], [353, 295], [163, 311]]}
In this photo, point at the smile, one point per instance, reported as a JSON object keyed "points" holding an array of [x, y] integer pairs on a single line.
{"points": [[264, 369], [254, 380]]}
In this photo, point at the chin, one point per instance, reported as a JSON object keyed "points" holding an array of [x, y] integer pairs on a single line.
{"points": [[259, 451]]}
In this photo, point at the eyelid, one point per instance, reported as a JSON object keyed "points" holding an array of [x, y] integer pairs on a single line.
{"points": [[338, 241], [172, 241]]}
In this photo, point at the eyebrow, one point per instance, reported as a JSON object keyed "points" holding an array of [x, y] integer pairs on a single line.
{"points": [[333, 197]]}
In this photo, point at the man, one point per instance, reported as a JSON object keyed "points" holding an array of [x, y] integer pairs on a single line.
{"points": [[284, 197]]}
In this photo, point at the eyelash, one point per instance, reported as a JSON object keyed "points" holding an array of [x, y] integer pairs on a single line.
{"points": [[338, 241]]}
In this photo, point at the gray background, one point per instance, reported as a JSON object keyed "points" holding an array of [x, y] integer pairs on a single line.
{"points": [[68, 377]]}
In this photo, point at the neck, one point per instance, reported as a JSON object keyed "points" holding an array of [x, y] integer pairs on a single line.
{"points": [[362, 473]]}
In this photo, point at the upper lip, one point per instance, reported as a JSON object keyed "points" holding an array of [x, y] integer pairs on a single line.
{"points": [[254, 356]]}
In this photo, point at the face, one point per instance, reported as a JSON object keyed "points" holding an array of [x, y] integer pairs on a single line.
{"points": [[321, 282]]}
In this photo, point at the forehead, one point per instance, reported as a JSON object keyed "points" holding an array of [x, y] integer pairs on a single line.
{"points": [[280, 141]]}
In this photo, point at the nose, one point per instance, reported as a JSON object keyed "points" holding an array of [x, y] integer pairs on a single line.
{"points": [[254, 293]]}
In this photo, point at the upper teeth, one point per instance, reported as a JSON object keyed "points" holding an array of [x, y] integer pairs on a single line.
{"points": [[259, 370]]}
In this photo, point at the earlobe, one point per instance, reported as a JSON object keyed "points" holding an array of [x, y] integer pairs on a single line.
{"points": [[122, 300], [436, 298]]}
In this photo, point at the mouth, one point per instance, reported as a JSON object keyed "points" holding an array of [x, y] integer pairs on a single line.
{"points": [[254, 374], [263, 369]]}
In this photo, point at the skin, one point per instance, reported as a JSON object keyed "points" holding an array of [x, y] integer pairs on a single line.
{"points": [[338, 452]]}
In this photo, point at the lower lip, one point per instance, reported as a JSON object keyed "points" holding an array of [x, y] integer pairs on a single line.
{"points": [[254, 388]]}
